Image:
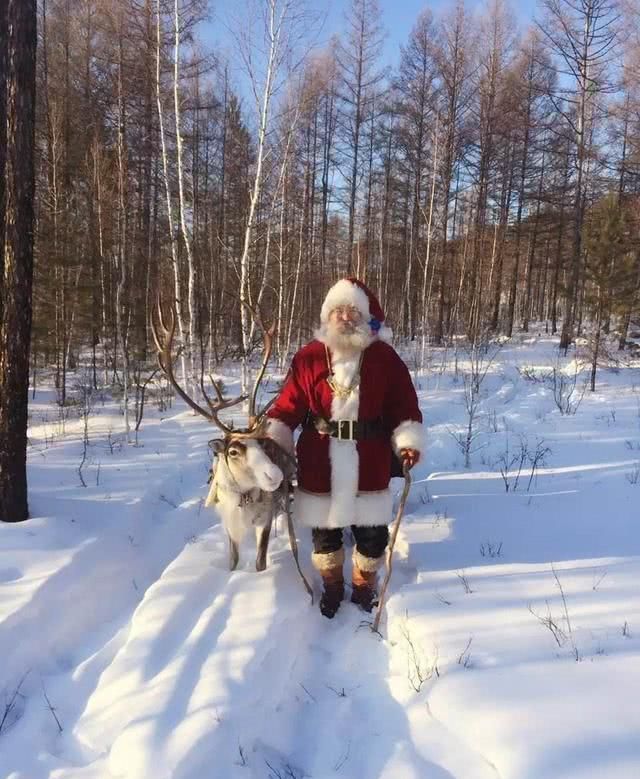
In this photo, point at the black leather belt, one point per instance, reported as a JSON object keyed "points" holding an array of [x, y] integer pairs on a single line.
{"points": [[347, 429]]}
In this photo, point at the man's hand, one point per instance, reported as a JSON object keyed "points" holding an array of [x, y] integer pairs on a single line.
{"points": [[409, 457]]}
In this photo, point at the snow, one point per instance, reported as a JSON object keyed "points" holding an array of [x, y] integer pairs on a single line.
{"points": [[510, 645]]}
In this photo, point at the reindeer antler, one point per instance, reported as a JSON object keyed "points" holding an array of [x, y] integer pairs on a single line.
{"points": [[163, 334], [267, 336]]}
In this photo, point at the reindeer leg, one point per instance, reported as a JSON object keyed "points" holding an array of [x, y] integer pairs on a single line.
{"points": [[263, 534], [234, 555]]}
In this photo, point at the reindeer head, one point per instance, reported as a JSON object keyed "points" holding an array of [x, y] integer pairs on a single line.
{"points": [[247, 463], [251, 458]]}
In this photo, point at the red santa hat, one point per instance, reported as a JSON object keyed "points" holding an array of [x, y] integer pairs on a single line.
{"points": [[353, 292]]}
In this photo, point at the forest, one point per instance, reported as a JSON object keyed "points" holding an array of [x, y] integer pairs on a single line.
{"points": [[488, 181]]}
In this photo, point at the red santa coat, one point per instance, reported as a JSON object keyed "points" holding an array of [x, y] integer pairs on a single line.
{"points": [[347, 482]]}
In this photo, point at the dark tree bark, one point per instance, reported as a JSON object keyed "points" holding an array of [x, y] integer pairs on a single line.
{"points": [[18, 30], [505, 208], [3, 133], [526, 312]]}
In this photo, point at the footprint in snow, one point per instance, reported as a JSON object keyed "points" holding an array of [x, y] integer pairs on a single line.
{"points": [[10, 575]]}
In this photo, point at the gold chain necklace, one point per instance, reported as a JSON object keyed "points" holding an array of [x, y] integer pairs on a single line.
{"points": [[339, 390]]}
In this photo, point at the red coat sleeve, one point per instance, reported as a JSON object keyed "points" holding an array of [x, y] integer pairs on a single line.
{"points": [[401, 408], [291, 405], [289, 409]]}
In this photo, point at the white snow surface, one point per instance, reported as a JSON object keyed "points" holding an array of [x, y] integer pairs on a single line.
{"points": [[510, 644]]}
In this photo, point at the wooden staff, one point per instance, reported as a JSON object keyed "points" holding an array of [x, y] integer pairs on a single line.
{"points": [[293, 543], [394, 534]]}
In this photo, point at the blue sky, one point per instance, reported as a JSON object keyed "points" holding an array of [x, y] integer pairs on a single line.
{"points": [[398, 17]]}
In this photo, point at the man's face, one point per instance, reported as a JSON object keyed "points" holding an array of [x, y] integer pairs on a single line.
{"points": [[345, 319]]}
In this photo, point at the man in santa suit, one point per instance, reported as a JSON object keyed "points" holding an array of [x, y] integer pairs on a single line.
{"points": [[356, 403]]}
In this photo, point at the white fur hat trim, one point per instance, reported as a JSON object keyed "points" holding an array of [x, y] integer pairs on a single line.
{"points": [[344, 293]]}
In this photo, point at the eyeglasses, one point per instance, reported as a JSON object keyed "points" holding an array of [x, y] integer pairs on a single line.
{"points": [[349, 311]]}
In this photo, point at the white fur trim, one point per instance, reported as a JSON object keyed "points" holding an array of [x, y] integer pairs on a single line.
{"points": [[385, 334], [344, 480], [343, 455], [408, 435], [367, 564], [280, 433], [368, 509], [344, 293], [327, 561]]}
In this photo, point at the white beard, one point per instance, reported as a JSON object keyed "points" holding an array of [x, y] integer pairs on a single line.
{"points": [[351, 342]]}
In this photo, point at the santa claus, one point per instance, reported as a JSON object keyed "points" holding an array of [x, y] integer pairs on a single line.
{"points": [[354, 398]]}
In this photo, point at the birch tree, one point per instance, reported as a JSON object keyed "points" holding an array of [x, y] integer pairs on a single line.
{"points": [[280, 27], [168, 195], [185, 231]]}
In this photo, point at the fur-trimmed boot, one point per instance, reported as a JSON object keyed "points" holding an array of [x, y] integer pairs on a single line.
{"points": [[329, 565], [365, 580]]}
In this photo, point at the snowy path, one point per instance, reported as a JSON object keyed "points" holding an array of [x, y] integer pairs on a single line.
{"points": [[117, 607], [229, 675]]}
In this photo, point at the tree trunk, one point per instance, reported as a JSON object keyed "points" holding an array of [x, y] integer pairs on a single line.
{"points": [[263, 104], [505, 208], [3, 136], [167, 185], [186, 238], [526, 314], [18, 32], [596, 342], [122, 244]]}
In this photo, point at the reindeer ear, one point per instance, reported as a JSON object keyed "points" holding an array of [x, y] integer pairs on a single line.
{"points": [[217, 446]]}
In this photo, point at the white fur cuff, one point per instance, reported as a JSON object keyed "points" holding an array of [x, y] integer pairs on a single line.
{"points": [[408, 435], [327, 561], [367, 509], [367, 564], [385, 334], [281, 434]]}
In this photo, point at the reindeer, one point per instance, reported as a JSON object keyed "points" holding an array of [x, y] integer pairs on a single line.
{"points": [[250, 466]]}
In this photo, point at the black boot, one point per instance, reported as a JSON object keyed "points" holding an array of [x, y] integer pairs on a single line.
{"points": [[329, 565], [365, 588], [332, 597]]}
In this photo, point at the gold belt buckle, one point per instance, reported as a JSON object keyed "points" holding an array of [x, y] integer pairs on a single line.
{"points": [[350, 423]]}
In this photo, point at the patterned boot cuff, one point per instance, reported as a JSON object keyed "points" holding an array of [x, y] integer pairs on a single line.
{"points": [[367, 564], [326, 561]]}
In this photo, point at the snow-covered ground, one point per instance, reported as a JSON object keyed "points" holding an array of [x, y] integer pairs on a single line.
{"points": [[511, 637]]}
